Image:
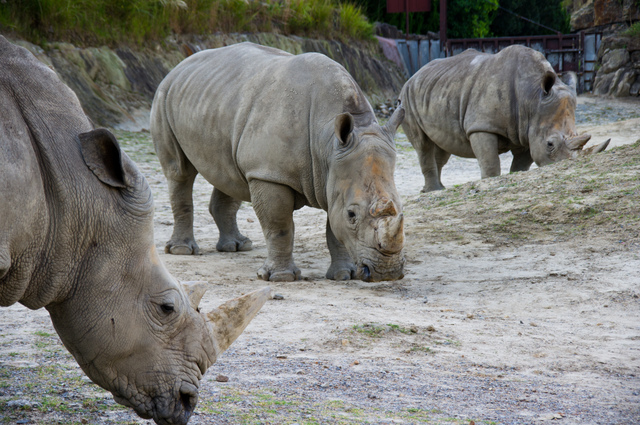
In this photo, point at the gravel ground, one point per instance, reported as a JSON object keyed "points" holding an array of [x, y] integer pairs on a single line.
{"points": [[520, 305]]}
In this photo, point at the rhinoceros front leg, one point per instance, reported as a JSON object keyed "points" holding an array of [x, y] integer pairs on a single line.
{"points": [[224, 210], [273, 204], [521, 160], [341, 268], [485, 149], [182, 241]]}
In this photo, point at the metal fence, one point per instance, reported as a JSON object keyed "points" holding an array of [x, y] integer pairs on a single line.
{"points": [[565, 52]]}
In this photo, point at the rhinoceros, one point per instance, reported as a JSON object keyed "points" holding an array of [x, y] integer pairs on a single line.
{"points": [[76, 237], [281, 131], [479, 105]]}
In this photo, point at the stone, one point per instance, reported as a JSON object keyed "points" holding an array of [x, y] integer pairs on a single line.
{"points": [[635, 87], [616, 84], [222, 378], [614, 60], [583, 18]]}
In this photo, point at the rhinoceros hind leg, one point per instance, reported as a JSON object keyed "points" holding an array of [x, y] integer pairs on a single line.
{"points": [[182, 241], [427, 152], [341, 268], [521, 160], [224, 209], [274, 204]]}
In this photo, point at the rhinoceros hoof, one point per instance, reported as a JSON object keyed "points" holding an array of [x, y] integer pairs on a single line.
{"points": [[340, 275], [182, 250], [235, 245], [280, 276], [432, 188]]}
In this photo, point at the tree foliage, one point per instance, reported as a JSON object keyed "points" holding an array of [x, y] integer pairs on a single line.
{"points": [[549, 13], [478, 18]]}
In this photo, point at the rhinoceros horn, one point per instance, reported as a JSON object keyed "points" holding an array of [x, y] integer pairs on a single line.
{"points": [[383, 207], [230, 319], [577, 142], [390, 234], [195, 290], [596, 148]]}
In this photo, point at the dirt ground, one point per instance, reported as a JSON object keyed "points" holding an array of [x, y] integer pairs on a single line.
{"points": [[520, 304]]}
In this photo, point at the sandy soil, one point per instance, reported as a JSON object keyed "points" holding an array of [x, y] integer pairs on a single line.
{"points": [[520, 304]]}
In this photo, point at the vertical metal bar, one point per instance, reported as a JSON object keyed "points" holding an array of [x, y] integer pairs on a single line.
{"points": [[443, 23], [406, 15]]}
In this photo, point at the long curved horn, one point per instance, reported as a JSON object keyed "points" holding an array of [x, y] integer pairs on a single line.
{"points": [[577, 142], [596, 148], [231, 318]]}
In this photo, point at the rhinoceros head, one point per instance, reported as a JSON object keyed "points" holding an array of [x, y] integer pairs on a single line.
{"points": [[365, 212], [552, 127], [131, 326]]}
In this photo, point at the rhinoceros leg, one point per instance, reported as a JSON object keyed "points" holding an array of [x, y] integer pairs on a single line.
{"points": [[426, 150], [273, 204], [442, 157], [182, 241], [521, 160], [341, 268], [224, 209], [485, 149]]}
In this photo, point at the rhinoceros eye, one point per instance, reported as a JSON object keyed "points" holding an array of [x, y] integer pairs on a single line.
{"points": [[167, 308], [352, 216]]}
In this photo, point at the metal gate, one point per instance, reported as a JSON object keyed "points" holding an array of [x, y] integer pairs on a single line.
{"points": [[565, 52]]}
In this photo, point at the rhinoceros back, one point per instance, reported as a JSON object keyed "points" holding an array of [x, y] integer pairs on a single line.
{"points": [[247, 112]]}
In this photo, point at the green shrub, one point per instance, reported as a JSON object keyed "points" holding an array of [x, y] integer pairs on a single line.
{"points": [[633, 30], [138, 21]]}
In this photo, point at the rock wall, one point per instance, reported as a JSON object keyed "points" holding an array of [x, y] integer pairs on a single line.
{"points": [[618, 66], [607, 16], [619, 73], [116, 86]]}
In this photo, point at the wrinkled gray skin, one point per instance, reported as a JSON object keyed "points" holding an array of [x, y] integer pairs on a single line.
{"points": [[281, 131], [76, 238], [479, 105]]}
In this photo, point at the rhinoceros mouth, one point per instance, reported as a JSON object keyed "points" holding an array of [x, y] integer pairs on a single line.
{"points": [[174, 410], [367, 272]]}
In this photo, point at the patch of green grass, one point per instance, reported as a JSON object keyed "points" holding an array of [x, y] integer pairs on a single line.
{"points": [[632, 31], [110, 22]]}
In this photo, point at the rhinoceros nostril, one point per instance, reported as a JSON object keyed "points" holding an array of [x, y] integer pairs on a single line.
{"points": [[188, 397], [366, 274]]}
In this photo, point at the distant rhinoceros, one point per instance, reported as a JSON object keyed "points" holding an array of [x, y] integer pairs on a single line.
{"points": [[281, 131], [76, 237], [479, 105]]}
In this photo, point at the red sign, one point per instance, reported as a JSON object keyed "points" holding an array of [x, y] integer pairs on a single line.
{"points": [[398, 6]]}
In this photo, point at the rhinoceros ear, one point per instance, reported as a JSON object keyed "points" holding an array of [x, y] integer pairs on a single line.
{"points": [[548, 81], [344, 127], [103, 156]]}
